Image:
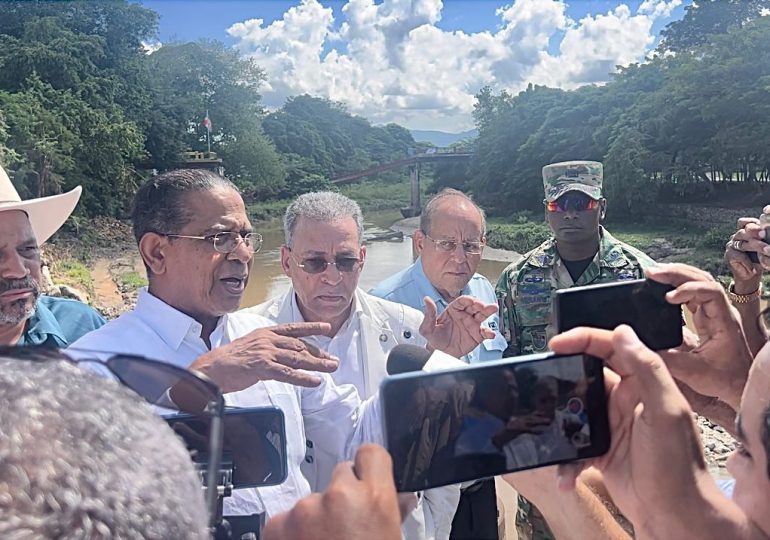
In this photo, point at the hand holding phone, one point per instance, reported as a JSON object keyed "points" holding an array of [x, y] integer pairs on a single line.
{"points": [[752, 236]]}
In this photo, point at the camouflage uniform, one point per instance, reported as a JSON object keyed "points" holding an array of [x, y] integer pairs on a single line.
{"points": [[525, 289]]}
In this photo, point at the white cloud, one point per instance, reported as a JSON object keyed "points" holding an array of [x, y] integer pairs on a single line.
{"points": [[151, 46], [390, 61]]}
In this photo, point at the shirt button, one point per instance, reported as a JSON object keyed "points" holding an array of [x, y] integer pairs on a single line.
{"points": [[309, 444], [309, 459], [407, 334], [383, 338]]}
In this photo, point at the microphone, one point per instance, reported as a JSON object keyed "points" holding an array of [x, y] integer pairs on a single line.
{"points": [[409, 358]]}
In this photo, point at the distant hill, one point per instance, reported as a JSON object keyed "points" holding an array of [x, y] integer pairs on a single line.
{"points": [[442, 138]]}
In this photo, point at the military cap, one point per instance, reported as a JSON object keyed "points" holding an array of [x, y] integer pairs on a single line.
{"points": [[585, 176]]}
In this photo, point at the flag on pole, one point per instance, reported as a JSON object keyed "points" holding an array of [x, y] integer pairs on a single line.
{"points": [[207, 122]]}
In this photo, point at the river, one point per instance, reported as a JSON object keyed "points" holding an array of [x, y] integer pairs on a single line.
{"points": [[383, 258]]}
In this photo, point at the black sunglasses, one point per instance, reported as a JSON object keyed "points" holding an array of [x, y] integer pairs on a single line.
{"points": [[318, 265], [161, 384]]}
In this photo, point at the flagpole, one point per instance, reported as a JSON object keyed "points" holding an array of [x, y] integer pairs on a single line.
{"points": [[208, 132]]}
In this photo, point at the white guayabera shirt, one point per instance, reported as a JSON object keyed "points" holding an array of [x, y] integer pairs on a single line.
{"points": [[331, 414]]}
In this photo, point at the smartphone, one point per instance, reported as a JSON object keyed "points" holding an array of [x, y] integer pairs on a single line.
{"points": [[254, 443], [482, 420], [640, 303]]}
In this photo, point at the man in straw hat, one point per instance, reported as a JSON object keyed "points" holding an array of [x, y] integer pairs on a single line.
{"points": [[26, 316]]}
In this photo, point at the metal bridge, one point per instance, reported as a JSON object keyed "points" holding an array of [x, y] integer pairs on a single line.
{"points": [[432, 155]]}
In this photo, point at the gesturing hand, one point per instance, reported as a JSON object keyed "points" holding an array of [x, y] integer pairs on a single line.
{"points": [[458, 330], [272, 353]]}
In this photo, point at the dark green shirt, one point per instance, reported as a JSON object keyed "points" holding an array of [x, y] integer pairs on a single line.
{"points": [[58, 322]]}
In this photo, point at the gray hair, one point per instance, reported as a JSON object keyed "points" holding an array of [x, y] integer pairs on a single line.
{"points": [[430, 209], [324, 206], [83, 457]]}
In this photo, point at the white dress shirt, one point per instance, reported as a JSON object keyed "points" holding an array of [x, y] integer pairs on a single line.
{"points": [[344, 345], [362, 344], [331, 414]]}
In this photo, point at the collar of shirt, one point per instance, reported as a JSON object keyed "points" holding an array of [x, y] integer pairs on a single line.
{"points": [[42, 326], [171, 325], [427, 289]]}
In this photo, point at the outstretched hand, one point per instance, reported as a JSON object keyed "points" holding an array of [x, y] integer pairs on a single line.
{"points": [[457, 331], [272, 353]]}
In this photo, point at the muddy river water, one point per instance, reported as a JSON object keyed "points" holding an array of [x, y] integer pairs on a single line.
{"points": [[383, 258]]}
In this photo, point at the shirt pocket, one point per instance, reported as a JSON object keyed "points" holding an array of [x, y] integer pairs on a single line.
{"points": [[492, 349]]}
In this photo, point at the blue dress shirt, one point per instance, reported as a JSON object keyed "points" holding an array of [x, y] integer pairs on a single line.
{"points": [[411, 285], [59, 322]]}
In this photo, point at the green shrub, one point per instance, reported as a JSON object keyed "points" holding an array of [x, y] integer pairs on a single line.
{"points": [[520, 237], [716, 237], [133, 280]]}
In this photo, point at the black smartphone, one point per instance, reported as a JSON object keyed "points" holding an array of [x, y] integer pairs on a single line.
{"points": [[639, 303], [254, 443], [482, 420]]}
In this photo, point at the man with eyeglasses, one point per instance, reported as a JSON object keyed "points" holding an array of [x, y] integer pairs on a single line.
{"points": [[449, 244], [580, 252], [198, 246], [324, 256]]}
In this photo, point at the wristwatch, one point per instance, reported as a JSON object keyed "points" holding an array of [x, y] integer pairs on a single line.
{"points": [[736, 298]]}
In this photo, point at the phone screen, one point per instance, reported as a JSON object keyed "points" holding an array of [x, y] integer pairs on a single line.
{"points": [[641, 304], [254, 443], [487, 419]]}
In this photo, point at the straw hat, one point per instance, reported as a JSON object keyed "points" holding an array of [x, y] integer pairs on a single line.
{"points": [[46, 214]]}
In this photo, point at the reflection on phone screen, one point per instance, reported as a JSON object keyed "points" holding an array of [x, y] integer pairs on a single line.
{"points": [[482, 422]]}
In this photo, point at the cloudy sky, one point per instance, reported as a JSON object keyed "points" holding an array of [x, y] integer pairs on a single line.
{"points": [[420, 62]]}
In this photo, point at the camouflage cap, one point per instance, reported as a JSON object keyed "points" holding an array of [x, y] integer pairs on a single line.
{"points": [[585, 176]]}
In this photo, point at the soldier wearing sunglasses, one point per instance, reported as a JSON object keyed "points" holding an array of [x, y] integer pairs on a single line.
{"points": [[580, 252], [324, 256]]}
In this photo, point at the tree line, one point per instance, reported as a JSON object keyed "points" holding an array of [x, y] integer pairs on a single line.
{"points": [[692, 120], [84, 102]]}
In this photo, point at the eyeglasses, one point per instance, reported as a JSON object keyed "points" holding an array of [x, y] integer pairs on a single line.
{"points": [[318, 265], [161, 384], [448, 246], [578, 202], [227, 242]]}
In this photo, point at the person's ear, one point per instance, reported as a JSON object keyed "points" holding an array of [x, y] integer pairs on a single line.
{"points": [[363, 255], [419, 241], [285, 262], [152, 248]]}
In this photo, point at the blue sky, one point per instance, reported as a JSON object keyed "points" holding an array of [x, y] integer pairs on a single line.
{"points": [[419, 63]]}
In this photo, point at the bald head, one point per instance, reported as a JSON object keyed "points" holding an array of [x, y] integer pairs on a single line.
{"points": [[452, 202]]}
